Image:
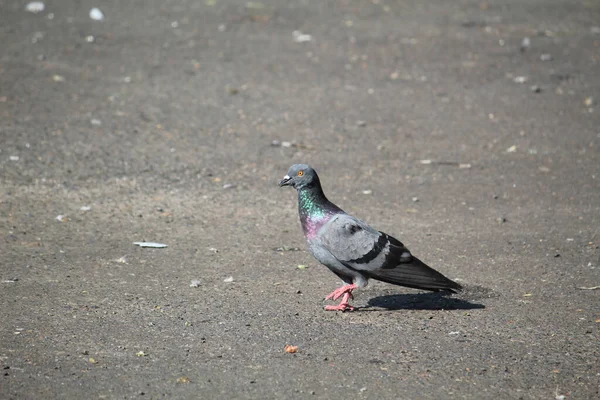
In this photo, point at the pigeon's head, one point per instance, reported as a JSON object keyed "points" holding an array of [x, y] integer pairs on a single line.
{"points": [[300, 176]]}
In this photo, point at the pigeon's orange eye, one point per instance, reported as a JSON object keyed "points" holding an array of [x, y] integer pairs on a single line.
{"points": [[300, 173]]}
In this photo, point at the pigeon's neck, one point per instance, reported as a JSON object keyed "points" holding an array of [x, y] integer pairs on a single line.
{"points": [[315, 210]]}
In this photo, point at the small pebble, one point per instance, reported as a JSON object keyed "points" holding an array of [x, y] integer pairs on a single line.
{"points": [[96, 14], [300, 37], [35, 7], [520, 79]]}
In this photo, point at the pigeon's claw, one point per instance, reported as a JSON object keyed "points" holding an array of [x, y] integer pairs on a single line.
{"points": [[339, 292], [343, 306]]}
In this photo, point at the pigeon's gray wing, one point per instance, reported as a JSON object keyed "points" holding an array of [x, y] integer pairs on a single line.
{"points": [[378, 255]]}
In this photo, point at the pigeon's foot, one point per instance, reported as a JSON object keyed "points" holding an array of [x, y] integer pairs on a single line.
{"points": [[339, 292], [343, 306]]}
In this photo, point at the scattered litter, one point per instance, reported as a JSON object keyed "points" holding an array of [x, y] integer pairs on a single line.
{"points": [[213, 250], [35, 7], [535, 89], [520, 79], [415, 199], [570, 239], [96, 14], [362, 389], [528, 295], [454, 333], [228, 186], [183, 379], [525, 44], [58, 78], [36, 37], [61, 218], [560, 397], [14, 158], [150, 244], [595, 30], [127, 79], [286, 248], [546, 57], [121, 260], [277, 143], [90, 39], [302, 266], [589, 101], [361, 124], [195, 283], [544, 169], [229, 279], [85, 208], [141, 354], [501, 220], [451, 163], [95, 122], [13, 280], [589, 288], [368, 191], [290, 349], [255, 5], [93, 360], [511, 149], [300, 37]]}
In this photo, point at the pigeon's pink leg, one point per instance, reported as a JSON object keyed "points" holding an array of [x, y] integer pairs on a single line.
{"points": [[343, 306], [346, 293], [337, 293]]}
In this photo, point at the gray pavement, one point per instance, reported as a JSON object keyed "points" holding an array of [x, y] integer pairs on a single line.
{"points": [[172, 121]]}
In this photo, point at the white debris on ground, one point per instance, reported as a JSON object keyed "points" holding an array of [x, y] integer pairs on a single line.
{"points": [[96, 14], [35, 7], [300, 37], [151, 245]]}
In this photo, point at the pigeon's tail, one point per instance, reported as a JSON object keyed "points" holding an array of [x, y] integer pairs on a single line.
{"points": [[415, 274]]}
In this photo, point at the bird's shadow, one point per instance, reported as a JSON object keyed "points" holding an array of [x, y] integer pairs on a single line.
{"points": [[431, 300]]}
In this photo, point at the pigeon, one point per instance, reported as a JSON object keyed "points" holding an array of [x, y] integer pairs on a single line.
{"points": [[353, 250]]}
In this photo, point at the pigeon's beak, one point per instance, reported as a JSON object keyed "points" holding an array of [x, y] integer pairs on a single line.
{"points": [[286, 181]]}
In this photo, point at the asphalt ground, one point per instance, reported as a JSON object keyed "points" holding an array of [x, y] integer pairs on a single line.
{"points": [[470, 130]]}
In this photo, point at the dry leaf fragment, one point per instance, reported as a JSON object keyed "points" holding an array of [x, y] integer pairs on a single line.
{"points": [[290, 349]]}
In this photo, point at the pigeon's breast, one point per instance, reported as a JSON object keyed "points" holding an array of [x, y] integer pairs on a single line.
{"points": [[312, 225]]}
